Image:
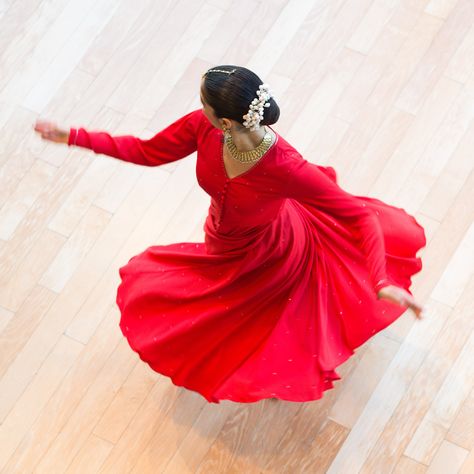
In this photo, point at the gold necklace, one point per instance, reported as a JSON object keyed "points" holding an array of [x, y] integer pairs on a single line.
{"points": [[248, 156]]}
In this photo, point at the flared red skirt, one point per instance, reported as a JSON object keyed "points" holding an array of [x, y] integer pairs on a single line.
{"points": [[274, 320]]}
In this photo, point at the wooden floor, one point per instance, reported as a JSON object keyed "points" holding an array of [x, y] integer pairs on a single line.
{"points": [[383, 90]]}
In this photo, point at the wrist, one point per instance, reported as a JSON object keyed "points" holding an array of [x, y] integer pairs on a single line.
{"points": [[381, 284], [71, 137]]}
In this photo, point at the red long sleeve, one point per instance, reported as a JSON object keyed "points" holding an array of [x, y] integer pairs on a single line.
{"points": [[309, 184], [170, 144]]}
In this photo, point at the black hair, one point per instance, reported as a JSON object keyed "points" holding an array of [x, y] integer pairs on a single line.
{"points": [[230, 95]]}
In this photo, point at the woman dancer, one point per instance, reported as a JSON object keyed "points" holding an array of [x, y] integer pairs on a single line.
{"points": [[294, 272]]}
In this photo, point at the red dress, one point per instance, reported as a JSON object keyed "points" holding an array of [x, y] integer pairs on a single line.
{"points": [[282, 290]]}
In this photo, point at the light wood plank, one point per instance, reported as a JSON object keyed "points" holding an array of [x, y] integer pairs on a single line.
{"points": [[91, 456], [458, 271], [459, 67], [468, 465], [75, 249], [67, 397], [30, 403], [461, 431], [121, 411], [130, 21], [20, 22], [50, 44], [441, 8], [161, 83], [5, 317], [25, 194], [324, 98], [449, 144], [363, 380], [289, 20], [449, 458], [154, 36], [415, 403], [79, 426], [28, 272], [387, 395], [400, 165], [372, 25], [409, 466], [450, 181], [22, 324], [67, 58], [443, 410], [375, 62], [70, 300], [448, 235], [430, 68]]}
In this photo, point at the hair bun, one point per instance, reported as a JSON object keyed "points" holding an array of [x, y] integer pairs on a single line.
{"points": [[272, 113], [237, 93]]}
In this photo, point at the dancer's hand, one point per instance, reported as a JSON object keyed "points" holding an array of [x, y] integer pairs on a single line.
{"points": [[402, 297], [49, 131]]}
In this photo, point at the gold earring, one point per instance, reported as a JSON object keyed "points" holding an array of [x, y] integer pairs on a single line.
{"points": [[226, 131]]}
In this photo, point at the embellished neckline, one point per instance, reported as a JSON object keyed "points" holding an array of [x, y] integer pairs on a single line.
{"points": [[222, 144]]}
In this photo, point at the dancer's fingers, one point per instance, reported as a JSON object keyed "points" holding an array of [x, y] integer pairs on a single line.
{"points": [[417, 308], [406, 299], [49, 131], [403, 298], [44, 126], [41, 125]]}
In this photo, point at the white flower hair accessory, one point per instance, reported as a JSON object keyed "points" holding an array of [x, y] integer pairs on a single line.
{"points": [[255, 114]]}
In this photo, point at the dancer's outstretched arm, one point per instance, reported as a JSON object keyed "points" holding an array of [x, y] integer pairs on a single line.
{"points": [[177, 140], [309, 183]]}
